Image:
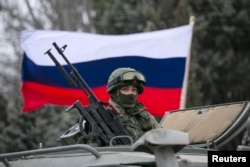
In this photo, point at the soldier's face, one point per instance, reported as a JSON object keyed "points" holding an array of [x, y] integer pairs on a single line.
{"points": [[129, 89]]}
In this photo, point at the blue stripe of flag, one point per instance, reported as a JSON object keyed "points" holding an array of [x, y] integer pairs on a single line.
{"points": [[161, 73]]}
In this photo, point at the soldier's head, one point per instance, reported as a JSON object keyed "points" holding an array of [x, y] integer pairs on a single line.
{"points": [[125, 84]]}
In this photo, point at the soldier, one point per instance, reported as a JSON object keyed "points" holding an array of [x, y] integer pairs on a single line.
{"points": [[124, 85]]}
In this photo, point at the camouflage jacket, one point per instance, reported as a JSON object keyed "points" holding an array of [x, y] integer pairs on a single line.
{"points": [[137, 122]]}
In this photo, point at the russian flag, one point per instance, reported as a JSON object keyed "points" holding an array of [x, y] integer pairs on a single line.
{"points": [[160, 55]]}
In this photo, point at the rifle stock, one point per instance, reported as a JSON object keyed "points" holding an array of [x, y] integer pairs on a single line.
{"points": [[105, 123]]}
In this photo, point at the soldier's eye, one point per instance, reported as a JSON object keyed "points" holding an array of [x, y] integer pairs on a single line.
{"points": [[135, 89], [125, 89]]}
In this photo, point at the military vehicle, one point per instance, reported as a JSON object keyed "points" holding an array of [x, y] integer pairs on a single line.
{"points": [[184, 138]]}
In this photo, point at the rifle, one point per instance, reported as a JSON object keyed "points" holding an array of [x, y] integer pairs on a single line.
{"points": [[104, 122]]}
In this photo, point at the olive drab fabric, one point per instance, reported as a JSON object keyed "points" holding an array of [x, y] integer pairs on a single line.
{"points": [[137, 120]]}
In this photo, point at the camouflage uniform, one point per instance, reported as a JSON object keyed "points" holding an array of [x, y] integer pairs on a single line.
{"points": [[136, 119]]}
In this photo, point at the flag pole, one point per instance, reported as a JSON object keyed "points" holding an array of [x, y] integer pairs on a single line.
{"points": [[187, 67]]}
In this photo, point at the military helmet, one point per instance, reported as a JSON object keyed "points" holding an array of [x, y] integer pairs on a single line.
{"points": [[124, 76]]}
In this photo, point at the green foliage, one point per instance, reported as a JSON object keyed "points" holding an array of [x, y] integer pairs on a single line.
{"points": [[131, 16], [220, 52], [24, 131]]}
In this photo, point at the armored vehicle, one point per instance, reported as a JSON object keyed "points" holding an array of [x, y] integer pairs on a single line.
{"points": [[184, 139]]}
